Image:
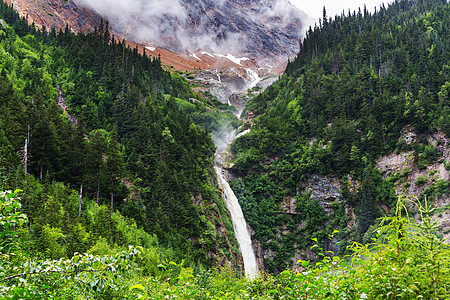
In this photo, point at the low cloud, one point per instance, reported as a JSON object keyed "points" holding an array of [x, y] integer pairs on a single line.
{"points": [[139, 10], [192, 25], [139, 19]]}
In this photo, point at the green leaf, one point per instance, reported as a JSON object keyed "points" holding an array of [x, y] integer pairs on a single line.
{"points": [[96, 264], [137, 286]]}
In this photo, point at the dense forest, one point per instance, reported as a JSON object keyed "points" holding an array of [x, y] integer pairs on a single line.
{"points": [[357, 81], [102, 140], [106, 166]]}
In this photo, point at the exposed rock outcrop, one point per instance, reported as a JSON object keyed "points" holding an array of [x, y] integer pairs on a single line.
{"points": [[265, 30], [325, 190], [404, 163], [414, 181], [57, 13]]}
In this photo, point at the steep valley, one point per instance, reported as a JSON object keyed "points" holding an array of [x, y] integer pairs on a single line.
{"points": [[206, 149]]}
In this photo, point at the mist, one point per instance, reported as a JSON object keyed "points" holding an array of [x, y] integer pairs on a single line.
{"points": [[140, 19], [188, 25]]}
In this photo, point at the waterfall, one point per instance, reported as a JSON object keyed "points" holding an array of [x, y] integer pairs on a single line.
{"points": [[240, 226], [254, 78], [222, 139]]}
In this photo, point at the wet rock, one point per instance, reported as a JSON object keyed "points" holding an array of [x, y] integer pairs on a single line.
{"points": [[325, 190]]}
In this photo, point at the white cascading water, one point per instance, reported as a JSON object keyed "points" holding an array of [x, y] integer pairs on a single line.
{"points": [[240, 226], [254, 78]]}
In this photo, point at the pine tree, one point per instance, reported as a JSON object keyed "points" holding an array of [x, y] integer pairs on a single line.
{"points": [[115, 167], [94, 163]]}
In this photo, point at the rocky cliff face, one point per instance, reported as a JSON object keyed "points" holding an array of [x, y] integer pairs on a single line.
{"points": [[423, 173], [419, 169], [234, 31], [267, 30], [57, 13], [231, 85]]}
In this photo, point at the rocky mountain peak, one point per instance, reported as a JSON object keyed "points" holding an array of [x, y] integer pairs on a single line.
{"points": [[266, 31]]}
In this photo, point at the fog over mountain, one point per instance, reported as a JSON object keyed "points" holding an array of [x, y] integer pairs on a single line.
{"points": [[267, 28]]}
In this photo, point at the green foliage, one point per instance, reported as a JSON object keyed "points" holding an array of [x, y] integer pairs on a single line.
{"points": [[89, 112], [314, 217], [22, 276], [358, 99], [11, 218], [406, 260], [425, 155], [78, 277], [358, 79], [421, 180], [144, 168]]}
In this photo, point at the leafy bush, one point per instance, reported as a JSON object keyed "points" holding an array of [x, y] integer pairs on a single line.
{"points": [[406, 260], [421, 180]]}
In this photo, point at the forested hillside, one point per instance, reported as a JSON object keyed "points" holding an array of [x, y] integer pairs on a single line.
{"points": [[107, 186], [358, 80], [100, 137]]}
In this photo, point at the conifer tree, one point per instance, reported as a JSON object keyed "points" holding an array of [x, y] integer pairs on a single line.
{"points": [[114, 168]]}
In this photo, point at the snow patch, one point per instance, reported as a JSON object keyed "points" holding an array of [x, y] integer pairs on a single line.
{"points": [[232, 58], [195, 56], [206, 53], [153, 49]]}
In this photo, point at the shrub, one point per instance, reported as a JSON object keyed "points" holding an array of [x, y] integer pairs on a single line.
{"points": [[421, 180]]}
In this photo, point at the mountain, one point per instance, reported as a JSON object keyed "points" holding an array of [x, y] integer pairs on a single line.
{"points": [[114, 161], [263, 32], [118, 143], [57, 14], [359, 117]]}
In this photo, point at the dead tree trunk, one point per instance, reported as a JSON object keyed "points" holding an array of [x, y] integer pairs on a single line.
{"points": [[25, 157]]}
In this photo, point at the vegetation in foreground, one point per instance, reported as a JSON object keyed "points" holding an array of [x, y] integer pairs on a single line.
{"points": [[405, 261], [55, 248]]}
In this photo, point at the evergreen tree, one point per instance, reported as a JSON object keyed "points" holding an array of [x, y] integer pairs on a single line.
{"points": [[115, 169]]}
